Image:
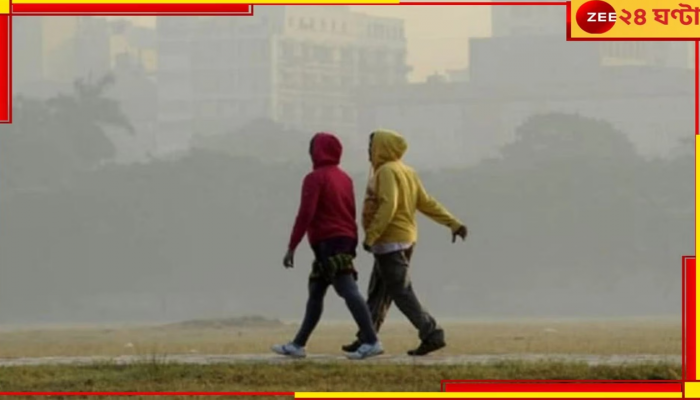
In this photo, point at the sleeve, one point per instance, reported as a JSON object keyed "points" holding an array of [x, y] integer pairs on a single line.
{"points": [[310, 191], [387, 200], [432, 209]]}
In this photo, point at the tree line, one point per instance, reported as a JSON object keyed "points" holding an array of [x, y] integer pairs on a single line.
{"points": [[568, 220]]}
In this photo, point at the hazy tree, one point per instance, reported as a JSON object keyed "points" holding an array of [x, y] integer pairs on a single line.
{"points": [[559, 226], [264, 139], [50, 140]]}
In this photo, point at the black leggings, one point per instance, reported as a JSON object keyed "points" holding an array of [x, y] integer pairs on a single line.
{"points": [[346, 287]]}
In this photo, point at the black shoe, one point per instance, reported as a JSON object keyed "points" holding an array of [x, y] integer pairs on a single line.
{"points": [[352, 347], [427, 348]]}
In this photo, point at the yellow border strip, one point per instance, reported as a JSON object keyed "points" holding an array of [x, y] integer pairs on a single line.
{"points": [[462, 395], [692, 390]]}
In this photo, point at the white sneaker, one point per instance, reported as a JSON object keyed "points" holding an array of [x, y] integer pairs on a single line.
{"points": [[367, 350], [290, 349]]}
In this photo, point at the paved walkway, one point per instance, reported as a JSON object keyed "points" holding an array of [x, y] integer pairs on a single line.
{"points": [[385, 359]]}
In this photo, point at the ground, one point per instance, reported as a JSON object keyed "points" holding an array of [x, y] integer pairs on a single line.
{"points": [[207, 357]]}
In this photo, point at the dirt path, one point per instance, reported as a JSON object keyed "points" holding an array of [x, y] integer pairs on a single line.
{"points": [[385, 359]]}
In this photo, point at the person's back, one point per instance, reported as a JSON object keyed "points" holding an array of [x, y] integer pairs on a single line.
{"points": [[335, 214], [401, 186], [394, 194], [327, 215], [328, 200]]}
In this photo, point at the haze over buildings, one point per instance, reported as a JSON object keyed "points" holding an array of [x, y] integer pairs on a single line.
{"points": [[549, 150]]}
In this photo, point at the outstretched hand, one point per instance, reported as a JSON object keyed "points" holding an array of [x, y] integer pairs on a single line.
{"points": [[461, 232], [288, 260]]}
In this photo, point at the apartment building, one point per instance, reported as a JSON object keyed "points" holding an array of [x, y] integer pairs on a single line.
{"points": [[299, 66]]}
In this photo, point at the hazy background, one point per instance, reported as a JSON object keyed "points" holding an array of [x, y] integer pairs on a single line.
{"points": [[154, 166]]}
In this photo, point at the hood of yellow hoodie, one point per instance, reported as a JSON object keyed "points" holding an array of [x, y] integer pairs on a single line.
{"points": [[387, 145]]}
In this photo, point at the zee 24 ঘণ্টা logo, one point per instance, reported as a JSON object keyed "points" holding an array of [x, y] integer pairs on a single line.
{"points": [[598, 17]]}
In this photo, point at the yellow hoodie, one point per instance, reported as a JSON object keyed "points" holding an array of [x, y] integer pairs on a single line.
{"points": [[395, 193]]}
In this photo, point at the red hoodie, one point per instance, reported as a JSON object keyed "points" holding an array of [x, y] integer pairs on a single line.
{"points": [[327, 208]]}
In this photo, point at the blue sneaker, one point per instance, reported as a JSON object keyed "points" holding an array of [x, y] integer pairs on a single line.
{"points": [[289, 350], [367, 350]]}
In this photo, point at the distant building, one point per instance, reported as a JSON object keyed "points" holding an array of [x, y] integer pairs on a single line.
{"points": [[93, 56], [450, 124], [49, 53], [529, 21], [137, 42], [59, 48], [295, 65], [63, 49], [458, 75]]}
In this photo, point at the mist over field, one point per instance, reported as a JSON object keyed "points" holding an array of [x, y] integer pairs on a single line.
{"points": [[153, 171]]}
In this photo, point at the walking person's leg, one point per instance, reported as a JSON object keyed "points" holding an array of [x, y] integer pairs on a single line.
{"points": [[346, 287], [378, 299], [312, 315], [393, 268], [378, 302]]}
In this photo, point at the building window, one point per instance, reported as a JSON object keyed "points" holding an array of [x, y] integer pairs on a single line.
{"points": [[346, 56], [287, 50], [323, 24], [323, 54], [379, 31], [307, 52], [290, 22], [306, 24]]}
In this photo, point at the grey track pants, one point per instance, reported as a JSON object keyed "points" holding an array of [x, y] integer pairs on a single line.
{"points": [[391, 282]]}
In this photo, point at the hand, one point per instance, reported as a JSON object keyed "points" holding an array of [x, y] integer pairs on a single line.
{"points": [[288, 260], [461, 232], [366, 247]]}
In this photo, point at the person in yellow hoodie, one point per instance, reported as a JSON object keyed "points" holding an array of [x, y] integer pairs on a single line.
{"points": [[394, 194]]}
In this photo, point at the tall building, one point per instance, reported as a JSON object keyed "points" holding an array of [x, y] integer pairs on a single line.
{"points": [[59, 48], [528, 21], [299, 66], [92, 48], [62, 49], [138, 43]]}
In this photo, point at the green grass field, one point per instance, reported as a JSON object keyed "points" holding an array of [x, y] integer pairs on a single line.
{"points": [[609, 337], [302, 376]]}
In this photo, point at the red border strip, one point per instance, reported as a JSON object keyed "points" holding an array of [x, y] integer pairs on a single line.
{"points": [[565, 387], [131, 9], [6, 70], [690, 310], [147, 394]]}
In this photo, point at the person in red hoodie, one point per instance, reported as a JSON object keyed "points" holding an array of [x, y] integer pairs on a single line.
{"points": [[327, 217]]}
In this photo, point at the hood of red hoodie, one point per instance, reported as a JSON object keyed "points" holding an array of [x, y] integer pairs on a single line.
{"points": [[326, 150]]}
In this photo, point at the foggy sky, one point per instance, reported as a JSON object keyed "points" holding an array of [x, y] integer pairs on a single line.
{"points": [[171, 194]]}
